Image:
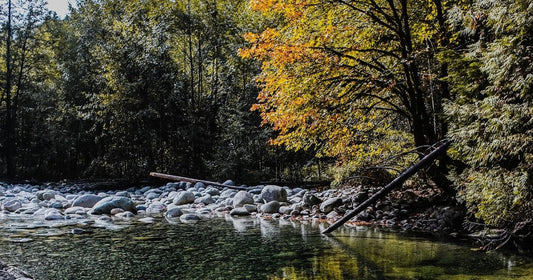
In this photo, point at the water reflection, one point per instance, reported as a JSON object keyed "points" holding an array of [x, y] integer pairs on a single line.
{"points": [[244, 248]]}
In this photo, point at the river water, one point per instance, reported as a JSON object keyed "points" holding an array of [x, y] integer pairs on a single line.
{"points": [[243, 248]]}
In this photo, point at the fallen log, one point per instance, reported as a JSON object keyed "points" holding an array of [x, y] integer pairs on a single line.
{"points": [[191, 180], [443, 146]]}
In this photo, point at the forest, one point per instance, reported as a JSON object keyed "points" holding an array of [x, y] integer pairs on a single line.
{"points": [[273, 90]]}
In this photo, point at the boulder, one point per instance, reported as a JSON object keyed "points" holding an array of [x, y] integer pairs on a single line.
{"points": [[241, 198], [328, 205], [270, 207], [274, 193], [12, 205], [86, 200], [105, 205], [185, 197]]}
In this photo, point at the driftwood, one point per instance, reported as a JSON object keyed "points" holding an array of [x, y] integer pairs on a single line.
{"points": [[191, 180], [443, 146]]}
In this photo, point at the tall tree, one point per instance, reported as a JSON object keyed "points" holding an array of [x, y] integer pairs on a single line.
{"points": [[21, 22], [355, 80]]}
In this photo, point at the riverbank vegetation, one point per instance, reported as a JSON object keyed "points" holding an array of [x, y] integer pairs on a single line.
{"points": [[203, 88]]}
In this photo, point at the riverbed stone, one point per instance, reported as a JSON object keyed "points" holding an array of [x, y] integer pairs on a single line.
{"points": [[239, 211], [250, 207], [86, 200], [328, 205], [285, 210], [185, 197], [48, 195], [189, 218], [105, 205], [228, 183], [174, 212], [310, 200], [274, 193], [155, 208], [53, 214], [270, 207], [206, 199], [241, 198], [12, 205]]}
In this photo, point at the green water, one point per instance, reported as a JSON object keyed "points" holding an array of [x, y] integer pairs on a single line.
{"points": [[228, 248]]}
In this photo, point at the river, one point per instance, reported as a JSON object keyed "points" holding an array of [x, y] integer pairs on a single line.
{"points": [[244, 248]]}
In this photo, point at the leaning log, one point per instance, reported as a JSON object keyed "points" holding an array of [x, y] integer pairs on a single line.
{"points": [[443, 146], [191, 180]]}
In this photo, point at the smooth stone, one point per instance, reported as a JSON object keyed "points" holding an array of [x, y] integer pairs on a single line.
{"points": [[212, 191], [86, 200], [115, 211], [105, 205], [57, 205], [125, 215], [155, 208], [53, 214], [250, 207], [199, 185], [123, 194], [141, 207], [310, 200], [241, 198], [270, 207], [48, 195], [228, 193], [206, 199], [328, 205], [285, 210], [174, 212], [239, 211], [185, 197], [228, 183], [76, 210], [274, 193], [12, 205], [152, 195]]}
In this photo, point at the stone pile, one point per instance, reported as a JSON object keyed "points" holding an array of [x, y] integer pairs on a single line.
{"points": [[189, 203]]}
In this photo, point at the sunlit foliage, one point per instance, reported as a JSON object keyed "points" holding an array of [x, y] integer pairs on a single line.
{"points": [[353, 80]]}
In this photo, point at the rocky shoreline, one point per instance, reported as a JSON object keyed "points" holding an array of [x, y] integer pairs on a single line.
{"points": [[63, 205]]}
